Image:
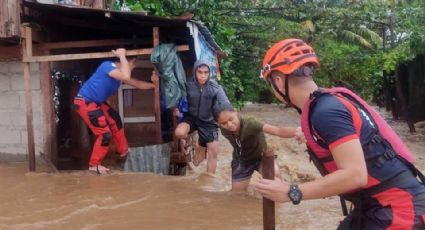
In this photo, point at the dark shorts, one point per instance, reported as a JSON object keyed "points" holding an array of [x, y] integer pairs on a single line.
{"points": [[207, 132], [242, 170]]}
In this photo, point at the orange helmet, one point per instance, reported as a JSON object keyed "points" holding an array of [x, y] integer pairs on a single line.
{"points": [[287, 56]]}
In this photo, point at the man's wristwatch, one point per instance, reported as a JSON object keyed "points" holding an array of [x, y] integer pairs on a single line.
{"points": [[295, 194]]}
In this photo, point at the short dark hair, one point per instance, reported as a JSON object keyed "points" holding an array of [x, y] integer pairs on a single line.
{"points": [[223, 106]]}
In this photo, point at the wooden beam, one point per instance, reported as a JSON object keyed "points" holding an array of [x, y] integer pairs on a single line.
{"points": [[30, 127], [15, 52], [28, 102], [37, 36], [155, 37], [81, 56], [145, 119], [91, 43], [157, 113], [10, 52], [49, 126], [124, 27], [28, 41]]}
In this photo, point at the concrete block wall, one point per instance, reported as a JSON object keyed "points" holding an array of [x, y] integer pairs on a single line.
{"points": [[13, 129]]}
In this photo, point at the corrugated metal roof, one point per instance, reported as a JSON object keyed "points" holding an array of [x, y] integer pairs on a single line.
{"points": [[93, 13], [106, 19]]}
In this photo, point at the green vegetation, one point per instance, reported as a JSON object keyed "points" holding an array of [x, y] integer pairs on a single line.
{"points": [[356, 40]]}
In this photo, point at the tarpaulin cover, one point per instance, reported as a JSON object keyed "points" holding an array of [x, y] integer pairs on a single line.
{"points": [[172, 75]]}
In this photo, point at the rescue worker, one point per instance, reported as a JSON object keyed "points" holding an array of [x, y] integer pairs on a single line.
{"points": [[202, 95], [357, 152], [103, 121]]}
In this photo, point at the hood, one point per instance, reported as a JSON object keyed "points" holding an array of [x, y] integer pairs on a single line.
{"points": [[196, 66]]}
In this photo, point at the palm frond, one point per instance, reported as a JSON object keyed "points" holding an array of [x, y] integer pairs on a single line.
{"points": [[308, 25], [355, 38], [374, 37]]}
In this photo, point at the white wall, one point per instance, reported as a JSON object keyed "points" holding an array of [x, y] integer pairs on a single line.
{"points": [[13, 129]]}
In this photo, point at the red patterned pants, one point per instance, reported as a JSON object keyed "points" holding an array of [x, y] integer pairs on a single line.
{"points": [[106, 125]]}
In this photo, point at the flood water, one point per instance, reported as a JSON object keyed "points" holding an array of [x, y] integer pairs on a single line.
{"points": [[120, 200], [80, 200]]}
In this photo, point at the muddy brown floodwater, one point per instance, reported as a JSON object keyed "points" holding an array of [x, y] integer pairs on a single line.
{"points": [[79, 200]]}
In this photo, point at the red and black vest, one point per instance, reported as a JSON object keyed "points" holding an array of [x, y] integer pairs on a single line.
{"points": [[322, 157]]}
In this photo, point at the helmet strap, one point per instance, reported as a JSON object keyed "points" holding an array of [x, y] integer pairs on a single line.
{"points": [[284, 96], [287, 95]]}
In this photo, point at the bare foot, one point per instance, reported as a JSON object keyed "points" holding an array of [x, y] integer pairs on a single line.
{"points": [[99, 169], [192, 167], [122, 155], [183, 145]]}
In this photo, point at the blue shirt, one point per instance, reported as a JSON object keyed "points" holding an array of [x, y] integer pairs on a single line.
{"points": [[100, 85]]}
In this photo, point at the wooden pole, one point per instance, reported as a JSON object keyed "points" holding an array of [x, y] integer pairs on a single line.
{"points": [[49, 126], [157, 108], [157, 114], [155, 36], [268, 205], [30, 130], [27, 52], [97, 55], [90, 43]]}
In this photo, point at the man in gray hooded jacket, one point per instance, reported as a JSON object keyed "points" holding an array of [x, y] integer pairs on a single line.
{"points": [[202, 95]]}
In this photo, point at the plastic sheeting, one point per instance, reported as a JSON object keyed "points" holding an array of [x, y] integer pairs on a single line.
{"points": [[153, 158], [173, 77], [204, 51]]}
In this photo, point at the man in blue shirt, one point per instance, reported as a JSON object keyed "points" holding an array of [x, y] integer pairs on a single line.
{"points": [[103, 121]]}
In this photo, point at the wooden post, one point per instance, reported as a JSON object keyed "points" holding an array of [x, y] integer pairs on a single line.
{"points": [[27, 52], [157, 93], [176, 144], [49, 126], [155, 36], [157, 114], [268, 205]]}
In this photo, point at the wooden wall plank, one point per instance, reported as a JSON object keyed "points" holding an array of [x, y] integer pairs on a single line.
{"points": [[98, 4], [13, 18], [28, 41], [10, 53], [4, 15], [91, 43], [155, 37], [97, 55], [9, 18]]}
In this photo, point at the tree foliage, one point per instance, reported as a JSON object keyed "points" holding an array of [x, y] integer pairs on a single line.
{"points": [[355, 40]]}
